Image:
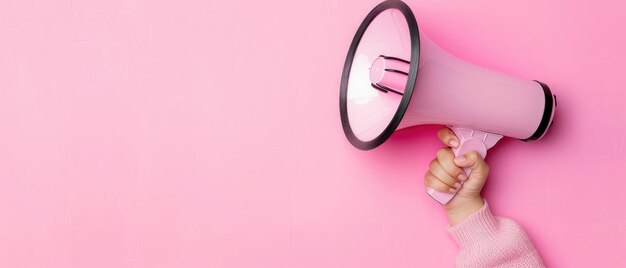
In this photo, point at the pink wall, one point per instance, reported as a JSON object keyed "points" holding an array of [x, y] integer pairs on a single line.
{"points": [[206, 134]]}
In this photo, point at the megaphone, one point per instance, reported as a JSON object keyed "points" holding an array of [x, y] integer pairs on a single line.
{"points": [[396, 77]]}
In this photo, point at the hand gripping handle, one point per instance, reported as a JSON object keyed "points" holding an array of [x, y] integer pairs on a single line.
{"points": [[469, 140]]}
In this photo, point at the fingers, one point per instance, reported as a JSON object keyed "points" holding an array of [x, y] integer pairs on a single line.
{"points": [[473, 160], [446, 160], [448, 137], [432, 182], [440, 173]]}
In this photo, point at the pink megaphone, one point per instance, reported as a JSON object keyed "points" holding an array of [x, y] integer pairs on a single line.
{"points": [[396, 77]]}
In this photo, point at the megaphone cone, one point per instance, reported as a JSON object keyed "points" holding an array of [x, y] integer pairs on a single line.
{"points": [[395, 77]]}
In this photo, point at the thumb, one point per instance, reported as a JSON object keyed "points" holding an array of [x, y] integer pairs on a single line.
{"points": [[479, 171]]}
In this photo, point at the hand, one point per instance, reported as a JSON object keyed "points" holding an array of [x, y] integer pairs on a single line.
{"points": [[446, 174]]}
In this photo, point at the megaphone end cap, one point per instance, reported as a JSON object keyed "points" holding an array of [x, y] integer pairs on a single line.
{"points": [[548, 113]]}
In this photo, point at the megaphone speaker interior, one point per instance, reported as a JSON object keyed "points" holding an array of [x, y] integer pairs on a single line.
{"points": [[395, 77]]}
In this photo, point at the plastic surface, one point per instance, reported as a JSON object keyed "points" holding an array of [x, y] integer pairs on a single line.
{"points": [[451, 91], [447, 90], [470, 140]]}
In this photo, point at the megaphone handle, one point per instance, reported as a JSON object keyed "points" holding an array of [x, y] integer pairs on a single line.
{"points": [[470, 140]]}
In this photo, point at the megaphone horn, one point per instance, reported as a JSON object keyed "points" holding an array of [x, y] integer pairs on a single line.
{"points": [[394, 77]]}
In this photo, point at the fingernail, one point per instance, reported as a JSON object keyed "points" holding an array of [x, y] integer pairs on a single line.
{"points": [[452, 190], [454, 143], [460, 159], [462, 177], [457, 185]]}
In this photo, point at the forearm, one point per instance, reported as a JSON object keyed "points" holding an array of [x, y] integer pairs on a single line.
{"points": [[457, 212], [486, 241]]}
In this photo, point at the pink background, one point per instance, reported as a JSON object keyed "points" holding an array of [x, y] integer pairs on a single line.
{"points": [[206, 134]]}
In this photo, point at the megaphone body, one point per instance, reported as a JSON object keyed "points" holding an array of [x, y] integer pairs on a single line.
{"points": [[396, 77]]}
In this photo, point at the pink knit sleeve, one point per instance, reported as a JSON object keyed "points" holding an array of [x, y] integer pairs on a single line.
{"points": [[489, 241]]}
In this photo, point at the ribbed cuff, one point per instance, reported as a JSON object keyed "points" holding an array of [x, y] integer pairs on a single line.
{"points": [[475, 229]]}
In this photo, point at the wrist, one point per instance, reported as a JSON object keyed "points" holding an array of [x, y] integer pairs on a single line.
{"points": [[459, 211]]}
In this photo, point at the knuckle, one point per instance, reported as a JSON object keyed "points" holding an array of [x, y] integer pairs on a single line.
{"points": [[448, 166], [428, 180], [473, 155], [443, 152], [432, 182], [456, 171], [433, 164]]}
